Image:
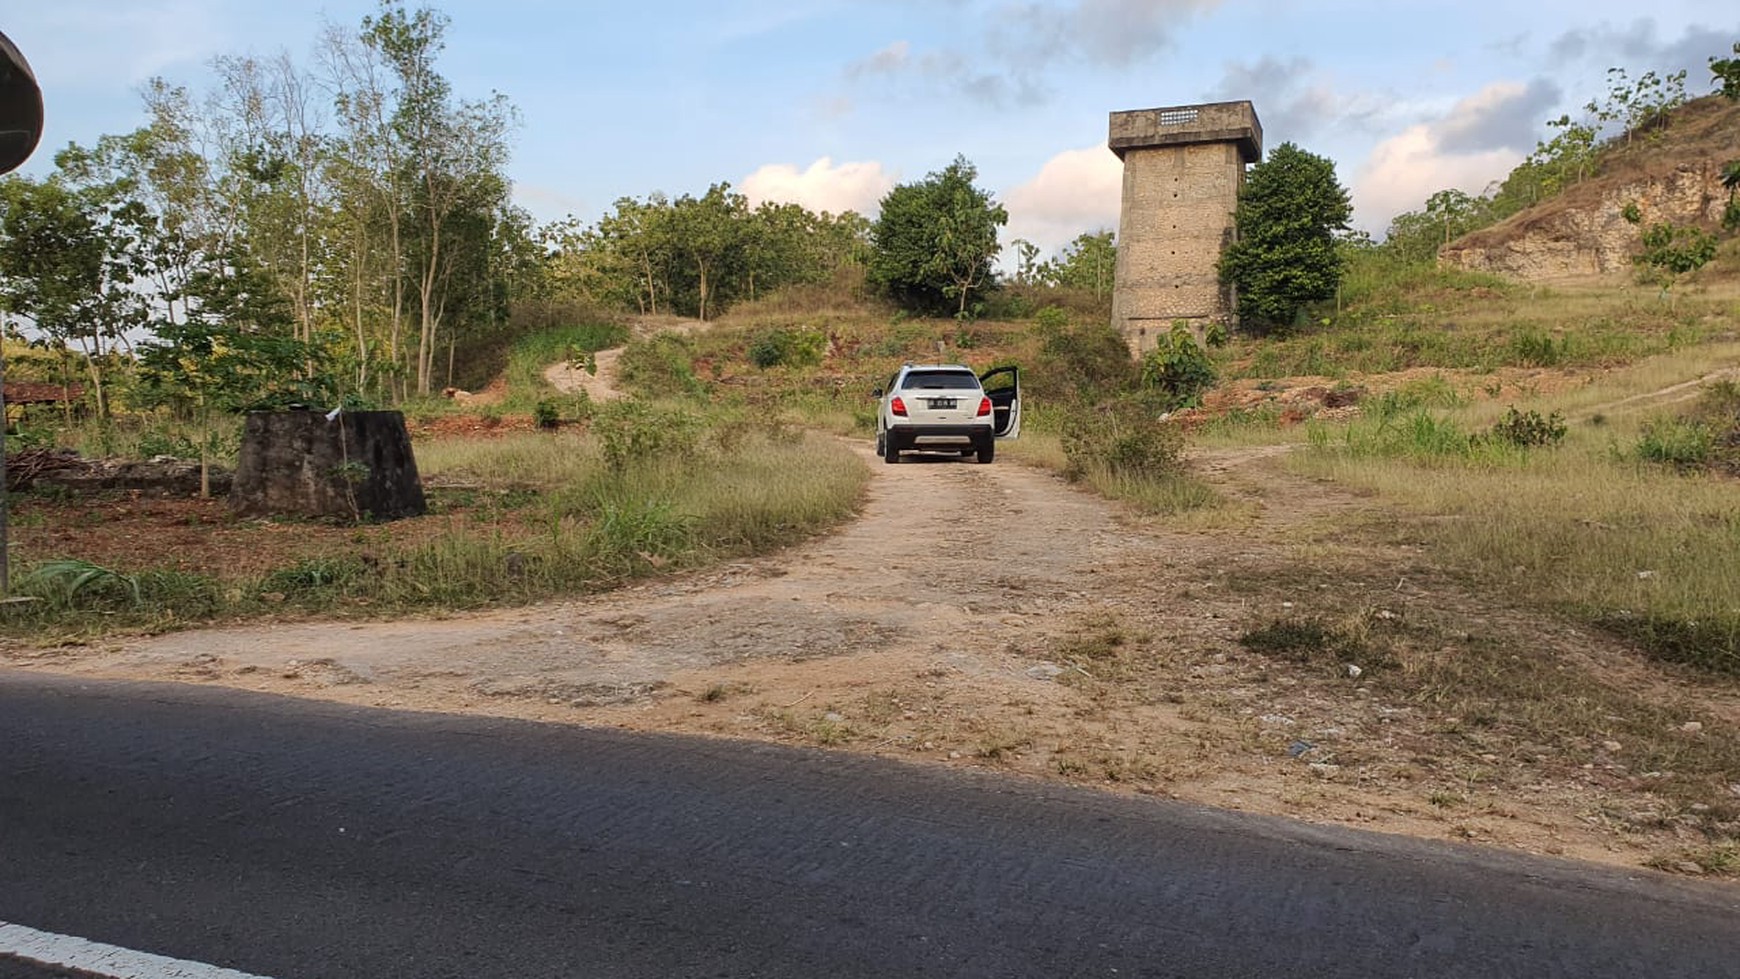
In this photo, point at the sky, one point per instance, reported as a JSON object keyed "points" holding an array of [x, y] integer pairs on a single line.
{"points": [[830, 103]]}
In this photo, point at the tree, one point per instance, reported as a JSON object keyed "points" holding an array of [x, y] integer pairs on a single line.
{"points": [[1417, 236], [234, 350], [1289, 213], [708, 234], [1641, 103], [1671, 250], [1027, 267], [1089, 262], [454, 159], [69, 260], [933, 245], [1725, 72]]}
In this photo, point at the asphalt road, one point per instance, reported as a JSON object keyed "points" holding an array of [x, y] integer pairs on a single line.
{"points": [[299, 840]]}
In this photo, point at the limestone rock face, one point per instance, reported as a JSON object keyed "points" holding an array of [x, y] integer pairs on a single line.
{"points": [[1589, 235], [355, 466], [1672, 172]]}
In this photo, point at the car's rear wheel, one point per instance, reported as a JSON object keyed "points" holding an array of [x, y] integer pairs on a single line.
{"points": [[890, 452], [987, 452]]}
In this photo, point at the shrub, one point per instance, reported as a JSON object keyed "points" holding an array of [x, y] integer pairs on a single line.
{"points": [[1410, 434], [632, 429], [157, 443], [1528, 429], [633, 531], [1710, 643], [1679, 442], [546, 414], [1126, 438], [312, 575], [1180, 367], [1315, 639], [788, 347], [663, 365], [1084, 361]]}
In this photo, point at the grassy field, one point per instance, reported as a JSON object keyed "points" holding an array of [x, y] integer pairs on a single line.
{"points": [[1620, 522]]}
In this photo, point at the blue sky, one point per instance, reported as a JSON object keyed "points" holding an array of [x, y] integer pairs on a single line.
{"points": [[831, 102]]}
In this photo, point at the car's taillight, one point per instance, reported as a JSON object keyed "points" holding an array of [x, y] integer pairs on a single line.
{"points": [[984, 407], [899, 407]]}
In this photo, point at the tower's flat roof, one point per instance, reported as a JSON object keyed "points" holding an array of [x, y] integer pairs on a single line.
{"points": [[1184, 125]]}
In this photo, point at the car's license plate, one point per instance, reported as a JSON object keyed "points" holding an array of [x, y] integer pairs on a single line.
{"points": [[941, 403]]}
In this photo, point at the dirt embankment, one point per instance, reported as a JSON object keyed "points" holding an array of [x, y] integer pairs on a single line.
{"points": [[598, 383]]}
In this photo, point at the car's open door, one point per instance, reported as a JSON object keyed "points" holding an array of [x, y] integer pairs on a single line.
{"points": [[1003, 387]]}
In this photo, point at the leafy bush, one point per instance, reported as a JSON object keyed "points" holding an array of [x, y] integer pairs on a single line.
{"points": [[1180, 367], [71, 581], [1528, 429], [1050, 321], [663, 365], [632, 429], [1127, 438], [1079, 362], [1679, 442], [546, 414], [784, 346], [158, 443]]}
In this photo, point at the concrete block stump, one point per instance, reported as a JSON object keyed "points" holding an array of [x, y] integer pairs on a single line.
{"points": [[356, 466]]}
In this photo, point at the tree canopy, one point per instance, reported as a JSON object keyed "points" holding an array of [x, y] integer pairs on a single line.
{"points": [[933, 245], [1289, 214]]}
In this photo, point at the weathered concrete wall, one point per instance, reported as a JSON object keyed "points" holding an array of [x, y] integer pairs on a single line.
{"points": [[359, 465], [1183, 167]]}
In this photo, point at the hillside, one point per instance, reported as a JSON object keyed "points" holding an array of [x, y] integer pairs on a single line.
{"points": [[1672, 173]]}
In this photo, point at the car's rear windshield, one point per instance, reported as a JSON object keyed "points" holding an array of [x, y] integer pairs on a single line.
{"points": [[940, 381]]}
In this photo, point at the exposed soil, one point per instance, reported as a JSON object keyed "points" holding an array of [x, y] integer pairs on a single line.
{"points": [[599, 384], [981, 616]]}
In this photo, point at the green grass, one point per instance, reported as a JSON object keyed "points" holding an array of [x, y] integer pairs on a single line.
{"points": [[1397, 316], [534, 354], [560, 520], [1638, 549]]}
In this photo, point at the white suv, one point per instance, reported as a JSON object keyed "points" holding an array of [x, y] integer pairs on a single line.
{"points": [[946, 407]]}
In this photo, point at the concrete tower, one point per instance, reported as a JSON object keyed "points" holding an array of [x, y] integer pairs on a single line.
{"points": [[1183, 167]]}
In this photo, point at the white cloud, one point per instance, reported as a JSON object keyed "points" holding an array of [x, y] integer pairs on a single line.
{"points": [[851, 186], [1404, 170], [1479, 140], [1076, 191]]}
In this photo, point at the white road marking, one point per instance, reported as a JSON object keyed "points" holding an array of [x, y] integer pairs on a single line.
{"points": [[67, 952]]}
